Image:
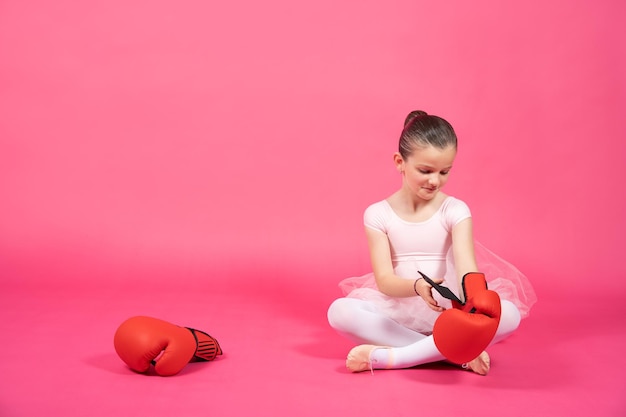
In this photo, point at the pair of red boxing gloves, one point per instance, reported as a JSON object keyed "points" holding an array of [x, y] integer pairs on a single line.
{"points": [[143, 341], [463, 332]]}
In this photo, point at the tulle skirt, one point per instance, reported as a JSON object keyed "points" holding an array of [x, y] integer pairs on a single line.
{"points": [[412, 312]]}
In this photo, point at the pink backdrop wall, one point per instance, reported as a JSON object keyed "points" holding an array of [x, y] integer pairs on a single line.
{"points": [[147, 143]]}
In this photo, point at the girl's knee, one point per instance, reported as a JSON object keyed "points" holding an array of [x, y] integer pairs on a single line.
{"points": [[342, 313], [336, 312], [511, 315], [510, 319]]}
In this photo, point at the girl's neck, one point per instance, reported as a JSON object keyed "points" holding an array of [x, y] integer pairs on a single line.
{"points": [[411, 207]]}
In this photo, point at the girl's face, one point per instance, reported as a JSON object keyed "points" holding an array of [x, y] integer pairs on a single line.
{"points": [[426, 170]]}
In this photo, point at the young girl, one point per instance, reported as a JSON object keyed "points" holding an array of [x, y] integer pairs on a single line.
{"points": [[391, 312]]}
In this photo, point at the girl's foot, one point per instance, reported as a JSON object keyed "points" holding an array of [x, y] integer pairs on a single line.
{"points": [[359, 359], [480, 365]]}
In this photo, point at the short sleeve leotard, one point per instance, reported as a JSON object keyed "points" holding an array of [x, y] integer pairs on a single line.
{"points": [[426, 246]]}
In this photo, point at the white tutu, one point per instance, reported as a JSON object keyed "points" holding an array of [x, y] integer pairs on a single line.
{"points": [[412, 312]]}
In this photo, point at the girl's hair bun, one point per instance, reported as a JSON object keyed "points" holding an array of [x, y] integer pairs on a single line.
{"points": [[413, 115]]}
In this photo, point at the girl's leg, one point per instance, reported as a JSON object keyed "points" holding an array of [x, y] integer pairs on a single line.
{"points": [[509, 321], [361, 322], [425, 351]]}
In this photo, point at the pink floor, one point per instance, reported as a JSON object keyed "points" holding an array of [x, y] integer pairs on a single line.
{"points": [[281, 359], [208, 163]]}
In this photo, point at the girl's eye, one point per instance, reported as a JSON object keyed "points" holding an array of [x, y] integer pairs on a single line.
{"points": [[426, 171]]}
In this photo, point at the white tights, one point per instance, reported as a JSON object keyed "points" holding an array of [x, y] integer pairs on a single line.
{"points": [[361, 322]]}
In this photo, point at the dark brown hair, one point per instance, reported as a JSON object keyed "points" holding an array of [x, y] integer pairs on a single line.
{"points": [[422, 129]]}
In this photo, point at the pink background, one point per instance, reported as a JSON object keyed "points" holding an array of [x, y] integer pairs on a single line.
{"points": [[169, 158]]}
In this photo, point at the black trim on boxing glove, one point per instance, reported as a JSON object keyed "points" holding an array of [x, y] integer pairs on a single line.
{"points": [[207, 348], [446, 292]]}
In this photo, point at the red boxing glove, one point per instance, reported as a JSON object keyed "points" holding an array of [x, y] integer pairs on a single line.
{"points": [[139, 342], [463, 332]]}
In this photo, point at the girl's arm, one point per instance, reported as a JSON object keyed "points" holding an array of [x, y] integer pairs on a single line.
{"points": [[463, 249], [386, 280]]}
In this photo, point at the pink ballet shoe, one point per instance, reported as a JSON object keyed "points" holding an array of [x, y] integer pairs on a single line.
{"points": [[479, 365], [359, 358]]}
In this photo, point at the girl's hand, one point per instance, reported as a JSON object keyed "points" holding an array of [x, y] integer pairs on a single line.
{"points": [[425, 290]]}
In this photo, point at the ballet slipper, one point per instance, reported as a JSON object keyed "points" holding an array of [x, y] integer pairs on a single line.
{"points": [[479, 365], [359, 358]]}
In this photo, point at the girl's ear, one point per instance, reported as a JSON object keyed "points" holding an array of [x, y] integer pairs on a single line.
{"points": [[398, 161]]}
